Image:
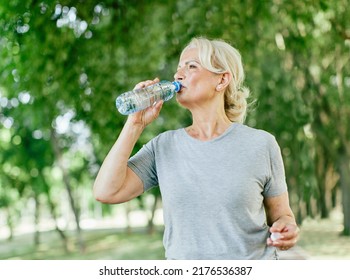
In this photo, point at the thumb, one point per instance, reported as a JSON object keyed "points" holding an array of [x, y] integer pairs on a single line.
{"points": [[157, 107], [153, 111], [277, 227]]}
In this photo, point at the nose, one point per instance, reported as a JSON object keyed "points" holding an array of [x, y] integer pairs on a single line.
{"points": [[179, 75]]}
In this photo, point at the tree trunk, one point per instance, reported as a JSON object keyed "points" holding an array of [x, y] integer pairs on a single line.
{"points": [[59, 231], [53, 213], [150, 227], [344, 168], [68, 186], [321, 168], [36, 220], [127, 216], [10, 223]]}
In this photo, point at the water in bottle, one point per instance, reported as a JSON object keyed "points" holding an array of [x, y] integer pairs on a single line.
{"points": [[139, 99]]}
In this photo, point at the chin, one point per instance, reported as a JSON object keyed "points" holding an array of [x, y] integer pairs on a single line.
{"points": [[180, 100]]}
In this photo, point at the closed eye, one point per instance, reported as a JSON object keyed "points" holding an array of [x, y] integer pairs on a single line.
{"points": [[191, 64]]}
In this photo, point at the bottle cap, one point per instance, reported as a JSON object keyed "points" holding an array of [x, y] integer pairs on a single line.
{"points": [[177, 85]]}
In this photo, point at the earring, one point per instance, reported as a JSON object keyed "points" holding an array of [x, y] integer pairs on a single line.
{"points": [[218, 88]]}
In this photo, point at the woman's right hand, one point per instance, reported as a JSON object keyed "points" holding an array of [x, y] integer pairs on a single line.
{"points": [[146, 116]]}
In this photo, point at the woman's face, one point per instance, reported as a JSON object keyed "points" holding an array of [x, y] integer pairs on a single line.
{"points": [[198, 83]]}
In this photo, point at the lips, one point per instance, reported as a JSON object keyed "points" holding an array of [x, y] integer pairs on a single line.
{"points": [[181, 90]]}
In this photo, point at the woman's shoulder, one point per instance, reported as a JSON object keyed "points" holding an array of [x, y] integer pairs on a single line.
{"points": [[255, 131], [256, 135], [168, 136]]}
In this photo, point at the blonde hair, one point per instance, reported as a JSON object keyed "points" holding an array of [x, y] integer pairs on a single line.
{"points": [[219, 57]]}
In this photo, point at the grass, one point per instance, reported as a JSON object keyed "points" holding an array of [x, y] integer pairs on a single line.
{"points": [[99, 244], [319, 239], [322, 239]]}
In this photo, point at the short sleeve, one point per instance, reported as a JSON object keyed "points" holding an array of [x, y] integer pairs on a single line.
{"points": [[276, 183], [143, 164]]}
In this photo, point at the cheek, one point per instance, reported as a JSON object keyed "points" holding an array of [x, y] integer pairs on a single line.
{"points": [[202, 82], [208, 84], [198, 81]]}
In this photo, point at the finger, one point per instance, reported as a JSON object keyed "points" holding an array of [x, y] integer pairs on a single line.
{"points": [[284, 243], [146, 83], [151, 82], [269, 242], [287, 235], [156, 108], [142, 84], [281, 245], [291, 233], [277, 227]]}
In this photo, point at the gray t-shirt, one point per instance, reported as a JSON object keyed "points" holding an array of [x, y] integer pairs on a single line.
{"points": [[213, 191]]}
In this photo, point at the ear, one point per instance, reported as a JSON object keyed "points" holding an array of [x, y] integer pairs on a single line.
{"points": [[224, 81]]}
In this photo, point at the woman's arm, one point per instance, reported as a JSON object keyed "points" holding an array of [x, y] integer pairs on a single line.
{"points": [[281, 220], [115, 181]]}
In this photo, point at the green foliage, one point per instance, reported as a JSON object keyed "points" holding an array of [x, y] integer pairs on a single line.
{"points": [[63, 63]]}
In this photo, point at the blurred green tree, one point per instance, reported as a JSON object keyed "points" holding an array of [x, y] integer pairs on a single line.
{"points": [[63, 63]]}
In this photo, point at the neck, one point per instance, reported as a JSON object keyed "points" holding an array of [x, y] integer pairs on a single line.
{"points": [[206, 127]]}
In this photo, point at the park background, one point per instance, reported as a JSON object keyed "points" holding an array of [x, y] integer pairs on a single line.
{"points": [[63, 63]]}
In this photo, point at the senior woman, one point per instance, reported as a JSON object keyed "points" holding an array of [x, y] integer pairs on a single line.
{"points": [[222, 183]]}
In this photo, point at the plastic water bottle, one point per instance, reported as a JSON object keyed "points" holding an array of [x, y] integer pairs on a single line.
{"points": [[139, 99]]}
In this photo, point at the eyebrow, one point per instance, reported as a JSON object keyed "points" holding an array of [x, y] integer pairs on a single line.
{"points": [[189, 61]]}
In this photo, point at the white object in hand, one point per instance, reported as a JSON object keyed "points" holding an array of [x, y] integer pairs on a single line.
{"points": [[275, 236]]}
